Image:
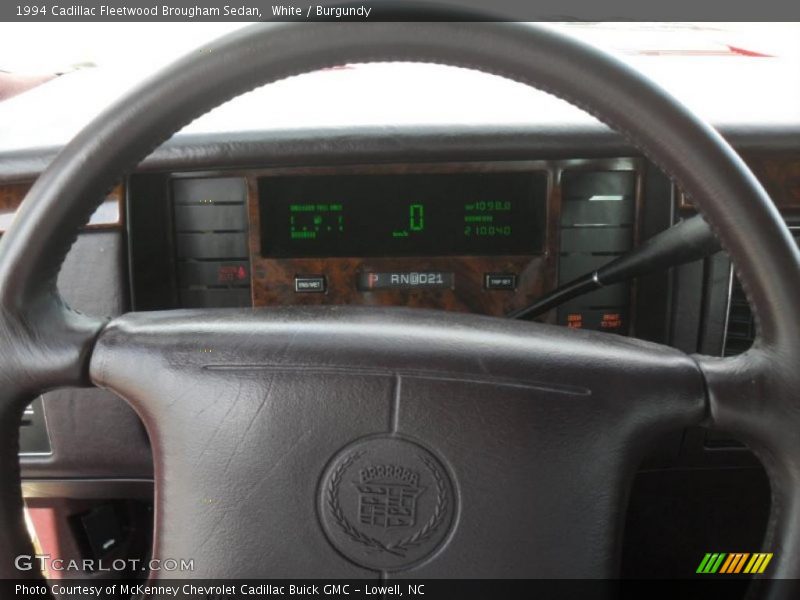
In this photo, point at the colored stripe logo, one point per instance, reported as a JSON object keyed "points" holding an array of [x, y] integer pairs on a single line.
{"points": [[734, 562]]}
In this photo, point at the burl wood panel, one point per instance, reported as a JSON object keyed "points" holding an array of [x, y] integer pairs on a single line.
{"points": [[273, 282], [780, 176], [273, 279], [109, 214], [11, 196]]}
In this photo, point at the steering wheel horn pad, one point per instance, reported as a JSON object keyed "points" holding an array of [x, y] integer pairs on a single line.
{"points": [[534, 432], [254, 417]]}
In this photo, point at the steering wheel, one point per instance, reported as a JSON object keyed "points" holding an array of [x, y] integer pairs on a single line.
{"points": [[346, 442]]}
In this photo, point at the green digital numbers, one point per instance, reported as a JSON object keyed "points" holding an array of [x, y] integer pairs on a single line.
{"points": [[416, 221], [489, 206], [416, 217], [492, 231], [481, 218]]}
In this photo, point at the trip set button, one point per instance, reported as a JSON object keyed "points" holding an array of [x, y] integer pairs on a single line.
{"points": [[500, 281]]}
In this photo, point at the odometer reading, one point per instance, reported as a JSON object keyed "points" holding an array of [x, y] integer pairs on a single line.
{"points": [[485, 219], [403, 215]]}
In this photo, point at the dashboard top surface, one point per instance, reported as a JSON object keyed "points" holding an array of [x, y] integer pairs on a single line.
{"points": [[406, 112]]}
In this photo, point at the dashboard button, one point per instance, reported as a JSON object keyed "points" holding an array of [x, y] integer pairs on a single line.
{"points": [[314, 284], [612, 320], [213, 273], [500, 281], [210, 217], [210, 190]]}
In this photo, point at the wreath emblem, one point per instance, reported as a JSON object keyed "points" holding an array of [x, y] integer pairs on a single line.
{"points": [[400, 547]]}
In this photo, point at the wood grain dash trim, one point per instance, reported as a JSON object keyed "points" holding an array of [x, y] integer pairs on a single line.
{"points": [[109, 215]]}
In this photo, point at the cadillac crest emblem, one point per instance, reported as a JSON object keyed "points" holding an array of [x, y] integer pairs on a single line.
{"points": [[386, 503]]}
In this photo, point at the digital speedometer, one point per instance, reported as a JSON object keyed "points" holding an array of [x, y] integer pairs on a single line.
{"points": [[418, 214]]}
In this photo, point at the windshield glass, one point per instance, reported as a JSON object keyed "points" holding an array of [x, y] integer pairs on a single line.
{"points": [[139, 47], [727, 72]]}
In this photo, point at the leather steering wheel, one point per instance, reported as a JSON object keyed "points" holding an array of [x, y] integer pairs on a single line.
{"points": [[498, 448]]}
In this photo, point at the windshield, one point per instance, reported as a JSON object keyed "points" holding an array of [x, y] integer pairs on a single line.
{"points": [[726, 72], [133, 47]]}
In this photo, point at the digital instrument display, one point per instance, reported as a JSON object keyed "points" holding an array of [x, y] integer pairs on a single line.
{"points": [[453, 214]]}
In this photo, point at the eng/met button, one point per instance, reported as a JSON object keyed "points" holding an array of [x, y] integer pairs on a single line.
{"points": [[309, 284]]}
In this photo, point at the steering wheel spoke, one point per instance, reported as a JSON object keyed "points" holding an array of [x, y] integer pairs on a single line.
{"points": [[754, 397]]}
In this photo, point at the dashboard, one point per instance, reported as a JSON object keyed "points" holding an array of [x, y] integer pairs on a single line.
{"points": [[480, 237], [262, 207], [476, 223], [484, 217]]}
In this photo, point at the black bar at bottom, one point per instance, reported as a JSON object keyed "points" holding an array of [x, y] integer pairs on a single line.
{"points": [[707, 587]]}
